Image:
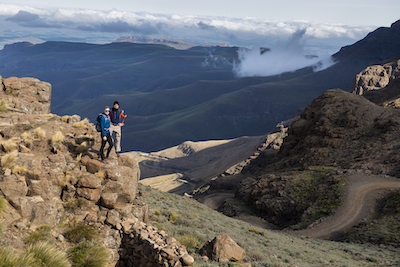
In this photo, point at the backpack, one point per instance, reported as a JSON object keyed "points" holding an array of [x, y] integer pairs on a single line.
{"points": [[98, 125]]}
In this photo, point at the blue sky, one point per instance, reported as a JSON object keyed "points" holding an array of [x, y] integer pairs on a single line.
{"points": [[327, 25]]}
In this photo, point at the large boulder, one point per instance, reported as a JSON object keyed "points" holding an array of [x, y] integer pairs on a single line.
{"points": [[223, 249]]}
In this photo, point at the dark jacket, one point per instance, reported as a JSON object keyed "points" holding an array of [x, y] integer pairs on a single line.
{"points": [[105, 124], [117, 116]]}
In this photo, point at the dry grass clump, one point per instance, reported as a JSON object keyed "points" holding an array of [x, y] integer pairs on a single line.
{"points": [[3, 205], [3, 107], [65, 180], [72, 204], [65, 118], [81, 124], [82, 233], [79, 157], [19, 169], [8, 145], [58, 137], [8, 160], [39, 133], [101, 174], [81, 148]]}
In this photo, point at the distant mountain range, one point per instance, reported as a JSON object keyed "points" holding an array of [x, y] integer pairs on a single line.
{"points": [[175, 95]]}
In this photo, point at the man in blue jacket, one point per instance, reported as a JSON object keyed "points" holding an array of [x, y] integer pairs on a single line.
{"points": [[105, 123], [117, 121]]}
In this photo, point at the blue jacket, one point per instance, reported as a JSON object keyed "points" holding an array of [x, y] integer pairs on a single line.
{"points": [[105, 124]]}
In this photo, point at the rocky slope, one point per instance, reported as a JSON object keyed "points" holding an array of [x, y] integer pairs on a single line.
{"points": [[50, 174], [338, 134]]}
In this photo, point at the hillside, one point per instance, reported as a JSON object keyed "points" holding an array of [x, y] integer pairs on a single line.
{"points": [[177, 95]]}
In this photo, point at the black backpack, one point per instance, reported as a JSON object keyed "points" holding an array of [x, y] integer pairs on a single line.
{"points": [[98, 125]]}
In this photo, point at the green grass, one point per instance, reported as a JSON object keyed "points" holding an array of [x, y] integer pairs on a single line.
{"points": [[3, 107], [263, 247], [47, 255], [383, 230], [41, 234], [82, 233], [317, 193], [89, 254]]}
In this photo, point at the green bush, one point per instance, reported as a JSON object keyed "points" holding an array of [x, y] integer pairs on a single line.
{"points": [[8, 258], [190, 241], [3, 107], [47, 255], [89, 254], [82, 233], [41, 234]]}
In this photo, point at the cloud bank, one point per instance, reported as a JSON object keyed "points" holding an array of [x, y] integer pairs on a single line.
{"points": [[197, 27], [285, 56]]}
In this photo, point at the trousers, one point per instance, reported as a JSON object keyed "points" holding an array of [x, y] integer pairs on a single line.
{"points": [[117, 139]]}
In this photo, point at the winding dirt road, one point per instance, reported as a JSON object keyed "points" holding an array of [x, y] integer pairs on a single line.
{"points": [[361, 193]]}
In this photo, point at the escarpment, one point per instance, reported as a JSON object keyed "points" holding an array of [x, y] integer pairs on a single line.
{"points": [[51, 174]]}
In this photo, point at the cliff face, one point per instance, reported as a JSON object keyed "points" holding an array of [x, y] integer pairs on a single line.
{"points": [[376, 77]]}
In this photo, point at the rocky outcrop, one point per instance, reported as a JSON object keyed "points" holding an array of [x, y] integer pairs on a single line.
{"points": [[344, 130], [145, 245], [50, 173], [376, 77]]}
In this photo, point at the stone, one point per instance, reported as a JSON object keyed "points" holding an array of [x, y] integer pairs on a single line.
{"points": [[13, 186], [223, 249], [90, 181], [89, 194], [92, 165], [187, 260], [109, 200]]}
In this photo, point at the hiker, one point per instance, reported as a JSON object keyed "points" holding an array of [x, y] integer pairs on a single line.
{"points": [[117, 121], [105, 132]]}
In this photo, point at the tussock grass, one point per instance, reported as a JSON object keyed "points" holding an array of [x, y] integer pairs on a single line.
{"points": [[3, 107], [39, 133], [89, 254], [8, 145], [26, 136], [82, 233], [81, 124], [65, 118], [190, 241], [81, 148], [8, 258], [79, 157], [263, 247], [47, 255], [64, 180], [41, 234], [58, 137], [7, 161], [19, 169]]}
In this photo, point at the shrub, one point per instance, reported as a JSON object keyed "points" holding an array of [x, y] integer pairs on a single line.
{"points": [[81, 124], [82, 233], [190, 241], [64, 180], [8, 146], [45, 254], [42, 233], [26, 136], [73, 204], [89, 254], [39, 133], [3, 107], [7, 161], [58, 137], [19, 169]]}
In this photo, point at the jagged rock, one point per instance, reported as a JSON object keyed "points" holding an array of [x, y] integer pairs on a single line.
{"points": [[89, 194], [376, 77], [13, 186], [92, 165], [223, 249], [109, 200]]}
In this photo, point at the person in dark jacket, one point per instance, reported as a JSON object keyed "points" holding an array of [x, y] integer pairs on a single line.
{"points": [[117, 121], [105, 123]]}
